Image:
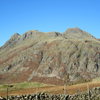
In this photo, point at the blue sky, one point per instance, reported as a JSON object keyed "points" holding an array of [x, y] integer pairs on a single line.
{"points": [[48, 15]]}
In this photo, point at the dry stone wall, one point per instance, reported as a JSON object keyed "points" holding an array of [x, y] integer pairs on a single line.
{"points": [[93, 94]]}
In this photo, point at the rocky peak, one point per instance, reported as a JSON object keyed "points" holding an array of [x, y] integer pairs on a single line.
{"points": [[15, 36], [77, 33], [30, 34], [13, 40], [74, 30]]}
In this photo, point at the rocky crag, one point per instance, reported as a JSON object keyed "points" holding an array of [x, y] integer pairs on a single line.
{"points": [[50, 57]]}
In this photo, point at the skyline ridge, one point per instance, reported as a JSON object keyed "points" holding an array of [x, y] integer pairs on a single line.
{"points": [[77, 29]]}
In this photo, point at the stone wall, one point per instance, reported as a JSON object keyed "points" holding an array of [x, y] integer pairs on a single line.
{"points": [[93, 94]]}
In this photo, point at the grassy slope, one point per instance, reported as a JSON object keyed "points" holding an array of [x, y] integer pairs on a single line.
{"points": [[20, 86]]}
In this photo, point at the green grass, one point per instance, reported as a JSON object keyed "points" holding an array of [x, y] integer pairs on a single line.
{"points": [[29, 84], [24, 85]]}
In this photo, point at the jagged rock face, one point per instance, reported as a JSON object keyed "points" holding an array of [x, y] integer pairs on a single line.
{"points": [[38, 55]]}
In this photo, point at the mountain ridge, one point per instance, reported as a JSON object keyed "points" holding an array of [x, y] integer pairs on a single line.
{"points": [[50, 55], [67, 34]]}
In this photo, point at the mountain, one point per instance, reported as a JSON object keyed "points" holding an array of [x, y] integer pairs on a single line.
{"points": [[50, 57]]}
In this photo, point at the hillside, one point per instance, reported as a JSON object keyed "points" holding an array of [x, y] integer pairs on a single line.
{"points": [[50, 57]]}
